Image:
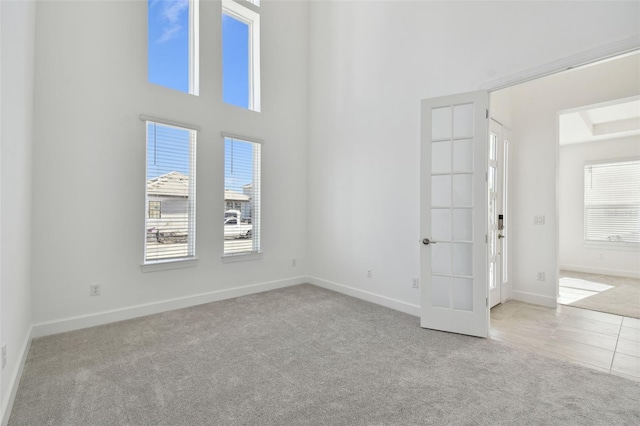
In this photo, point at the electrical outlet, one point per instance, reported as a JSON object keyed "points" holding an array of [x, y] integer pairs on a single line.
{"points": [[369, 273], [538, 220], [94, 289], [541, 276], [415, 282], [293, 262], [4, 355]]}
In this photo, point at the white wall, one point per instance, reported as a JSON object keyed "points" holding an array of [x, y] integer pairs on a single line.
{"points": [[573, 254], [16, 142], [535, 107], [89, 162], [500, 105], [371, 64]]}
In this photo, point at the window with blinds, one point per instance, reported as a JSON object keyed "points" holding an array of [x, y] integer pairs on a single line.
{"points": [[612, 202], [170, 193], [241, 196]]}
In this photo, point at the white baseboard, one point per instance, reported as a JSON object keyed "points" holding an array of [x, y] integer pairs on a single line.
{"points": [[535, 299], [105, 317], [12, 389], [601, 271], [378, 299]]}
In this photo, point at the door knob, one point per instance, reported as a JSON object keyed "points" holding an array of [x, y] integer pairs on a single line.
{"points": [[426, 242], [500, 236]]}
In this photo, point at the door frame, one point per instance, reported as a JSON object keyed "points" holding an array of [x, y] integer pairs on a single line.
{"points": [[585, 57]]}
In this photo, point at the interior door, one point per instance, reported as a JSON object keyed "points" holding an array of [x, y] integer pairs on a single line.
{"points": [[494, 225], [505, 212], [453, 214], [497, 185]]}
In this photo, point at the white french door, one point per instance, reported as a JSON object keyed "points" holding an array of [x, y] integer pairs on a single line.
{"points": [[453, 214]]}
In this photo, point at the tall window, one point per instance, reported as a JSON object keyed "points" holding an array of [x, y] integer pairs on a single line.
{"points": [[612, 202], [173, 44], [170, 194], [242, 192], [241, 54]]}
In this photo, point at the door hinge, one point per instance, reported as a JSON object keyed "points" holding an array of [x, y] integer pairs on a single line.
{"points": [[486, 239], [487, 116], [486, 177], [487, 300]]}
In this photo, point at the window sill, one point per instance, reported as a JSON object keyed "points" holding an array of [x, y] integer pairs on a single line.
{"points": [[611, 246], [164, 265], [241, 257]]}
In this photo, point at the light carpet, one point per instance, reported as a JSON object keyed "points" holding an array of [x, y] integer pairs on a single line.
{"points": [[304, 356], [620, 296]]}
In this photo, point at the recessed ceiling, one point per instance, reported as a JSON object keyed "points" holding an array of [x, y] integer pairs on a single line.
{"points": [[612, 120]]}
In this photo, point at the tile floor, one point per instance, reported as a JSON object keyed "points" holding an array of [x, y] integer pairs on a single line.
{"points": [[605, 342]]}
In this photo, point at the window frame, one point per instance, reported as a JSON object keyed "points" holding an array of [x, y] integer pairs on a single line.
{"points": [[194, 47], [248, 13], [256, 217], [615, 245], [190, 259]]}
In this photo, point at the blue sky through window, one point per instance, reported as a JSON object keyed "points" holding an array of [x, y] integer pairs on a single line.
{"points": [[235, 61], [168, 56], [169, 43]]}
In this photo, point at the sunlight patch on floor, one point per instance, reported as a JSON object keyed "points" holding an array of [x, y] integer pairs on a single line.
{"points": [[574, 289]]}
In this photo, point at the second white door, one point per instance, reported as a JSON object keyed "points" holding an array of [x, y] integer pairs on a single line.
{"points": [[497, 184]]}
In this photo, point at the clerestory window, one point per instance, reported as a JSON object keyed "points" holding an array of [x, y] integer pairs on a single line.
{"points": [[173, 44], [241, 54]]}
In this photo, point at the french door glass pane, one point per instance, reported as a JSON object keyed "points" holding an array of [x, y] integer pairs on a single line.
{"points": [[452, 207]]}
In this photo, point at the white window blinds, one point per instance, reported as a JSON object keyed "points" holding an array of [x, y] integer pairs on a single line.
{"points": [[612, 202], [241, 196], [170, 195]]}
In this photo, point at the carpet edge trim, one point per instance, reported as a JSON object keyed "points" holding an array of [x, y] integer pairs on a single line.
{"points": [[602, 271]]}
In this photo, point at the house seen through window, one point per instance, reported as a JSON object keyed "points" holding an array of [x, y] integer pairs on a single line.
{"points": [[241, 196], [170, 192]]}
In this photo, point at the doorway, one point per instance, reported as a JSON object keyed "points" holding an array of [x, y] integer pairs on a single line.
{"points": [[599, 206], [581, 335], [531, 111]]}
